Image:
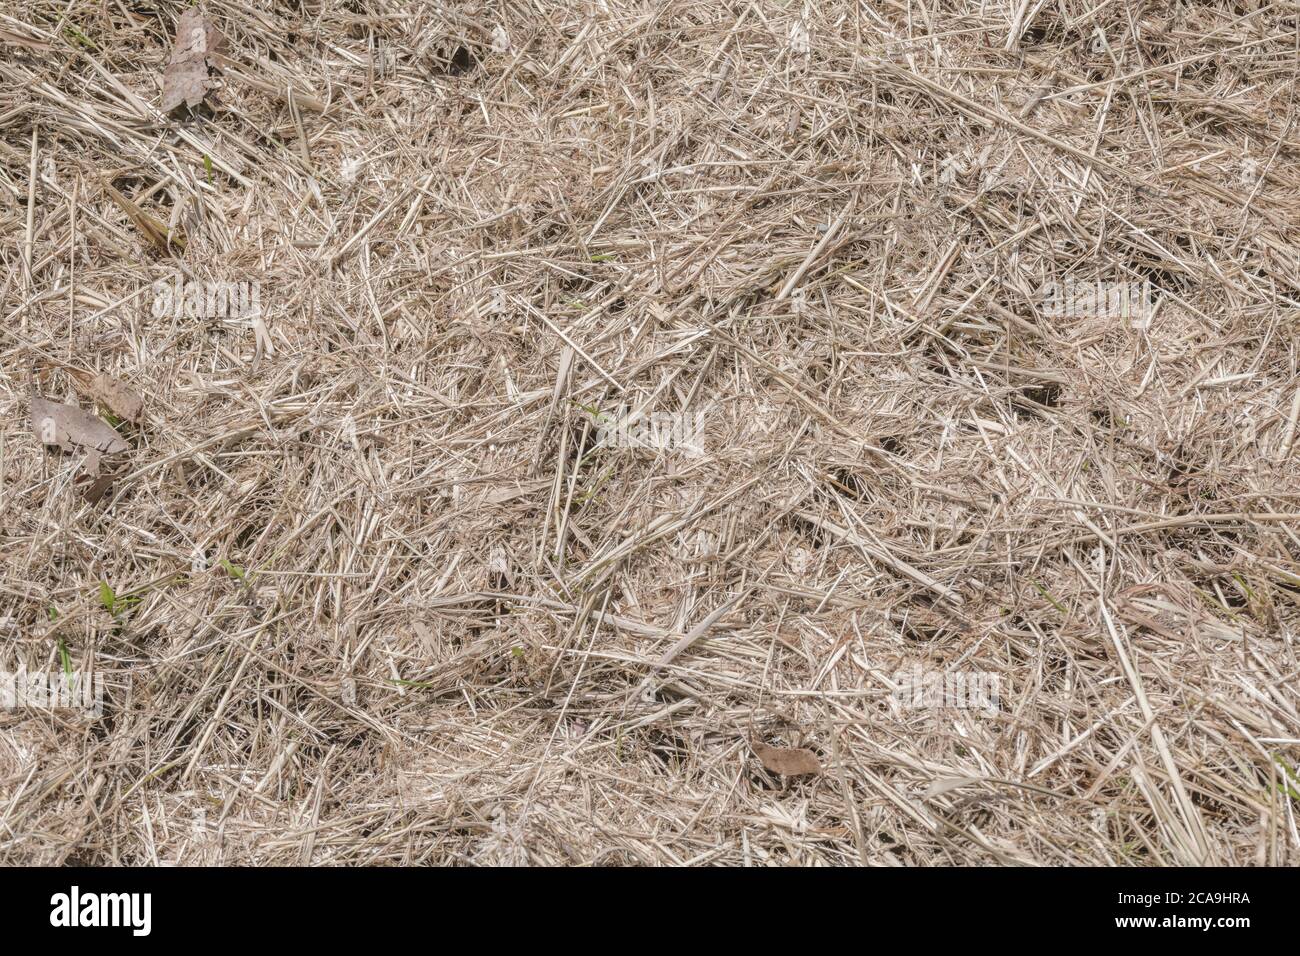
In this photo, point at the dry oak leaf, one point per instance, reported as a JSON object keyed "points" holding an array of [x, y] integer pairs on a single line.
{"points": [[186, 78], [67, 425], [787, 761]]}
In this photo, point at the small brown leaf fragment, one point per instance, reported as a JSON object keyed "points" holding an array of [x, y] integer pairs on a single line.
{"points": [[93, 488], [119, 398], [67, 425], [186, 78], [787, 761], [185, 82], [196, 37]]}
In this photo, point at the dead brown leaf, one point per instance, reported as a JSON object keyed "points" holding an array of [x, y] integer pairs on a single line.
{"points": [[186, 78], [787, 761], [118, 397], [94, 486], [67, 425]]}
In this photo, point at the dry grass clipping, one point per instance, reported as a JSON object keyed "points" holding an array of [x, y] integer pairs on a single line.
{"points": [[375, 595]]}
